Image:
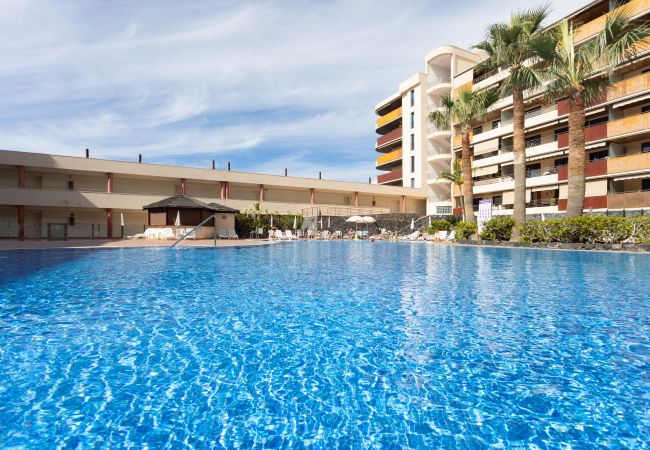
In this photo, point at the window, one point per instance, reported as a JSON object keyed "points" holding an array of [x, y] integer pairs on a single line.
{"points": [[497, 200], [559, 131], [71, 185], [412, 120], [533, 111], [412, 97], [478, 130], [533, 170], [645, 184], [561, 162], [596, 121], [443, 210], [598, 156], [412, 142], [412, 182], [412, 164], [645, 108], [532, 141], [645, 147], [496, 124], [645, 70]]}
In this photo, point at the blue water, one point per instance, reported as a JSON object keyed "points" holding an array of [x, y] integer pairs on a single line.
{"points": [[324, 345]]}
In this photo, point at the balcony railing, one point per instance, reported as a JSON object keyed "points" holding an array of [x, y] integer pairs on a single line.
{"points": [[534, 173], [394, 135], [539, 203], [628, 200], [592, 169], [630, 86], [484, 76], [393, 115], [433, 128], [627, 125], [634, 8], [389, 157], [395, 175], [433, 80], [628, 163], [504, 179], [592, 133]]}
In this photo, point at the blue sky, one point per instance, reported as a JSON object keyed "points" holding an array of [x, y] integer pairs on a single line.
{"points": [[265, 85]]}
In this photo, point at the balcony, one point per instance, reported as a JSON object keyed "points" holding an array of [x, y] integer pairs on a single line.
{"points": [[628, 163], [596, 202], [433, 132], [634, 8], [592, 169], [391, 116], [390, 177], [506, 183], [629, 200], [388, 158], [393, 136], [436, 83], [631, 86], [628, 125], [592, 133]]}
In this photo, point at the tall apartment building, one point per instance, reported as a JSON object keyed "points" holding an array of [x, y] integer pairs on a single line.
{"points": [[413, 150], [617, 130]]}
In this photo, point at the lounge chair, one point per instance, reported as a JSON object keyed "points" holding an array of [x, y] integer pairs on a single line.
{"points": [[232, 234], [223, 234], [325, 234], [152, 233], [452, 236], [310, 234], [411, 237], [167, 233], [338, 234], [289, 235], [443, 235]]}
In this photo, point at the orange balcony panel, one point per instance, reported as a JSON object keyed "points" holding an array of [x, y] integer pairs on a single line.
{"points": [[392, 136], [393, 115], [595, 202], [463, 87], [458, 140], [633, 8], [628, 163], [627, 200], [630, 86], [592, 169], [390, 157], [632, 124], [395, 175]]}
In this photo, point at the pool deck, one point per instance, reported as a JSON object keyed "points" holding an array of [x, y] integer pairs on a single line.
{"points": [[126, 243]]}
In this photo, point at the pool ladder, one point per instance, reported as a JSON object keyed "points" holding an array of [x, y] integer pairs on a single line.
{"points": [[187, 233]]}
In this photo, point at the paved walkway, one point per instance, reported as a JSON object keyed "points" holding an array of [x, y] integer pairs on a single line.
{"points": [[127, 243]]}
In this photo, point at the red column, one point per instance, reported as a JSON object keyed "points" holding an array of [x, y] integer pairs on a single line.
{"points": [[183, 186], [21, 223], [402, 207], [262, 196], [356, 199], [311, 196], [21, 176], [109, 182], [109, 223]]}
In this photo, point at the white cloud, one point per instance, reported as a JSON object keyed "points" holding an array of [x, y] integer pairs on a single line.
{"points": [[168, 78]]}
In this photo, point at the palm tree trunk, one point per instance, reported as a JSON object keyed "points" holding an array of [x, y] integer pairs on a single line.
{"points": [[468, 183], [576, 199], [519, 149]]}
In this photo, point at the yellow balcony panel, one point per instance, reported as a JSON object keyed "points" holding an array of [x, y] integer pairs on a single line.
{"points": [[634, 8], [630, 86], [463, 87], [458, 140], [627, 125], [389, 157], [628, 163], [393, 115]]}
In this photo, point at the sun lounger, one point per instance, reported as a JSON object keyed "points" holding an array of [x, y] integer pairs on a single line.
{"points": [[452, 236], [325, 234], [411, 237], [223, 234], [289, 235], [232, 234], [167, 233], [338, 234], [152, 233]]}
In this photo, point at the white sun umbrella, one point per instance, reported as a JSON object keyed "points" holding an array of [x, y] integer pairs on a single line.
{"points": [[368, 219], [178, 219], [412, 224], [122, 223], [429, 222], [356, 220], [328, 222], [271, 222], [295, 222], [321, 223]]}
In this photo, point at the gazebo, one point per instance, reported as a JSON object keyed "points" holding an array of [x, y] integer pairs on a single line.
{"points": [[191, 213]]}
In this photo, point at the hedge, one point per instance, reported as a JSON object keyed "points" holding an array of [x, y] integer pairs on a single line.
{"points": [[589, 230], [498, 229], [251, 220], [464, 230]]}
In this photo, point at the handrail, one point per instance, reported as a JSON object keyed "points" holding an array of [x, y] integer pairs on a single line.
{"points": [[213, 216]]}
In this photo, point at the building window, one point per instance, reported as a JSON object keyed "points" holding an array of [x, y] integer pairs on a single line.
{"points": [[598, 156], [496, 124], [477, 130], [412, 142], [412, 97], [532, 141], [645, 70], [645, 147], [412, 182], [412, 164], [533, 111], [443, 210], [561, 162], [412, 120], [645, 108], [645, 184], [596, 121]]}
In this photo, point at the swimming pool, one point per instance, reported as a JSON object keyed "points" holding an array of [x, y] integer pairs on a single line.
{"points": [[324, 344]]}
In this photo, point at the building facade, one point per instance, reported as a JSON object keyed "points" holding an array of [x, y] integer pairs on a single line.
{"points": [[414, 152], [40, 192], [617, 131]]}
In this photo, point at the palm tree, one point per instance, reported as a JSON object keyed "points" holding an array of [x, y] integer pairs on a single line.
{"points": [[467, 111], [582, 75], [456, 177], [512, 47]]}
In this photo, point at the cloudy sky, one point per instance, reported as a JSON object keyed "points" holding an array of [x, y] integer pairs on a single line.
{"points": [[265, 85]]}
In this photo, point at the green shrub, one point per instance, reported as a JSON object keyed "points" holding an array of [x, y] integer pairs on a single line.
{"points": [[439, 225], [498, 229], [464, 230], [589, 230], [248, 221]]}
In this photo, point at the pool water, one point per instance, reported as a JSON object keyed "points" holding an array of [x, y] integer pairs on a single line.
{"points": [[324, 345]]}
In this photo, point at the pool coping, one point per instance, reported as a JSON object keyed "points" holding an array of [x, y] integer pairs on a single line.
{"points": [[124, 244]]}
